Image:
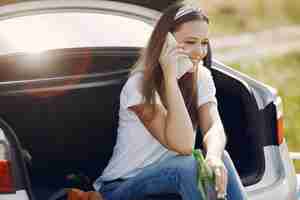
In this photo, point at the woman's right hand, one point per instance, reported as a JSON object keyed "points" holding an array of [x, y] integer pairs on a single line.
{"points": [[169, 61]]}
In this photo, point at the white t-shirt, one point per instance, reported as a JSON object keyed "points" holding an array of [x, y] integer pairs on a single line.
{"points": [[136, 148]]}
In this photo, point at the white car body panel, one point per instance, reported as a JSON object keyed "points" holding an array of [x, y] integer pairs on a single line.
{"points": [[279, 179]]}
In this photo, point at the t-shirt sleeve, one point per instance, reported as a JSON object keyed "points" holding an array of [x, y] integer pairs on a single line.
{"points": [[131, 92], [206, 87]]}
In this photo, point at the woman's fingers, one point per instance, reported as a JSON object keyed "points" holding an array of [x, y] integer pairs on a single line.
{"points": [[221, 180], [176, 53], [180, 51], [168, 62], [221, 177], [176, 62], [218, 175]]}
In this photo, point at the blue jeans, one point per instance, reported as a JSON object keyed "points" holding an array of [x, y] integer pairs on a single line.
{"points": [[175, 175]]}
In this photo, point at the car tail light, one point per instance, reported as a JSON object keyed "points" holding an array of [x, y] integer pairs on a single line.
{"points": [[280, 121], [6, 178]]}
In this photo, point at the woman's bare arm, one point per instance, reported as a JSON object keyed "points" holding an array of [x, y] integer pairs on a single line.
{"points": [[214, 138], [214, 141], [172, 128]]}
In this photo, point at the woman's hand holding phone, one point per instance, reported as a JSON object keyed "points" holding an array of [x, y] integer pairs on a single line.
{"points": [[174, 60], [170, 68]]}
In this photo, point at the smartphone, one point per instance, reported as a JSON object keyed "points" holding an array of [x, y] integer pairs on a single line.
{"points": [[184, 63]]}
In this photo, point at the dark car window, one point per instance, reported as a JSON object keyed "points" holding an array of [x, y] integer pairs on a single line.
{"points": [[35, 33], [67, 63]]}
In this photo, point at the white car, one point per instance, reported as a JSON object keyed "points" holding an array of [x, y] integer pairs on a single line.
{"points": [[62, 66]]}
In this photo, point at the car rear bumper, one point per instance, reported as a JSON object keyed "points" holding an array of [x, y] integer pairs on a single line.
{"points": [[279, 190], [279, 179]]}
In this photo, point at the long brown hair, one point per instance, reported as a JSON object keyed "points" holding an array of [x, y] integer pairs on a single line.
{"points": [[149, 60]]}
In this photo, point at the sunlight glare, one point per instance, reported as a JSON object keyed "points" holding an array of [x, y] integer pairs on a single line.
{"points": [[37, 33], [36, 36]]}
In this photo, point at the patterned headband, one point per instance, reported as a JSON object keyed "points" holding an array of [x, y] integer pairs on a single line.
{"points": [[186, 10]]}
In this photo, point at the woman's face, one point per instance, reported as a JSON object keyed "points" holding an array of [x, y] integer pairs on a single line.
{"points": [[193, 37]]}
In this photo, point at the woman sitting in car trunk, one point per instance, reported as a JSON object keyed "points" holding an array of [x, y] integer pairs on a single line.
{"points": [[161, 106]]}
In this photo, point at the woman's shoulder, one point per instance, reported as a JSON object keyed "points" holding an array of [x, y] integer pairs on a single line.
{"points": [[204, 72], [135, 76], [131, 93], [134, 81], [206, 86], [205, 77], [133, 84]]}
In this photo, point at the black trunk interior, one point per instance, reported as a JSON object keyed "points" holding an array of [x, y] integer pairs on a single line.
{"points": [[70, 127]]}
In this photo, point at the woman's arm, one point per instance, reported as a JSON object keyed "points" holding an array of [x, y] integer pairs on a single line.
{"points": [[172, 128], [214, 138], [214, 141]]}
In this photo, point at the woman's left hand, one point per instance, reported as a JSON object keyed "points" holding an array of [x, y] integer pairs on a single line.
{"points": [[220, 171]]}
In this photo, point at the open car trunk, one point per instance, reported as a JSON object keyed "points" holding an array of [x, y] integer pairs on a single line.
{"points": [[64, 111]]}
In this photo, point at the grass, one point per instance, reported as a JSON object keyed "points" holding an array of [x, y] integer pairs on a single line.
{"points": [[282, 73]]}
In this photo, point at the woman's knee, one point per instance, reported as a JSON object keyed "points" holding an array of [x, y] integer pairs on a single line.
{"points": [[184, 165]]}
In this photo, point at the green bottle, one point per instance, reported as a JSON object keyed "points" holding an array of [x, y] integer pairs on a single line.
{"points": [[206, 178]]}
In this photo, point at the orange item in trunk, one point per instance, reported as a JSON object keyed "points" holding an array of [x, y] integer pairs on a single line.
{"points": [[76, 194]]}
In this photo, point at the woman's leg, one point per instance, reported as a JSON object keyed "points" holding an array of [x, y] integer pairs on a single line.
{"points": [[177, 175], [235, 188]]}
